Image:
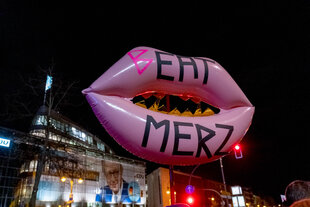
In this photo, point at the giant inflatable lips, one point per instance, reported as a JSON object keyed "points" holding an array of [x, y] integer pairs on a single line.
{"points": [[170, 109]]}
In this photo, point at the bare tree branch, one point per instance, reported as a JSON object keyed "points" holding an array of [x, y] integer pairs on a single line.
{"points": [[64, 94]]}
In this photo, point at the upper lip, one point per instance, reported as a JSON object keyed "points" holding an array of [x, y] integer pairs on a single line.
{"points": [[220, 91]]}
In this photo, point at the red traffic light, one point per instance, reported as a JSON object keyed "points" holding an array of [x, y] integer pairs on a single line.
{"points": [[190, 200], [238, 151]]}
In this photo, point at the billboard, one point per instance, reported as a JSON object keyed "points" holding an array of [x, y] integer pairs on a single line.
{"points": [[121, 183], [105, 183]]}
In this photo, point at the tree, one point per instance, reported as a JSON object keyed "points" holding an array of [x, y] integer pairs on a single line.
{"points": [[23, 104], [52, 102]]}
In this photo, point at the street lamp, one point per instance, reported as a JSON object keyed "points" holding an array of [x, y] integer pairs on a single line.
{"points": [[80, 181]]}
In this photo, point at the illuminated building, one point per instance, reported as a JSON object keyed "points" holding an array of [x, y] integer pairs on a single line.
{"points": [[73, 172], [206, 192]]}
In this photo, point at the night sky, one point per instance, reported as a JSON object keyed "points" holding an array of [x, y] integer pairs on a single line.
{"points": [[264, 46]]}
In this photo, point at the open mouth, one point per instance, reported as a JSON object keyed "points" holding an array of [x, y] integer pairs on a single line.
{"points": [[170, 109], [174, 104]]}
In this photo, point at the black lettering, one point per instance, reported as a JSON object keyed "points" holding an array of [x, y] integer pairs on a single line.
{"points": [[150, 120], [139, 176], [202, 141], [182, 64], [179, 136], [161, 62], [205, 62], [229, 133]]}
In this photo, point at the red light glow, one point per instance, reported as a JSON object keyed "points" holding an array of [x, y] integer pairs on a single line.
{"points": [[237, 147], [190, 200]]}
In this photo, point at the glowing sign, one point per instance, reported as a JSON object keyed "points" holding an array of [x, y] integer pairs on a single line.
{"points": [[189, 189], [4, 142], [236, 190]]}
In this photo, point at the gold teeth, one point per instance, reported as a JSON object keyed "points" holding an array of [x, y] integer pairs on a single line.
{"points": [[174, 105]]}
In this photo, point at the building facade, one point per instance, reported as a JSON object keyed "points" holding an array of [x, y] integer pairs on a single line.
{"points": [[78, 168], [206, 193]]}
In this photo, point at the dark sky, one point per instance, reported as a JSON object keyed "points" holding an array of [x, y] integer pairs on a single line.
{"points": [[264, 46]]}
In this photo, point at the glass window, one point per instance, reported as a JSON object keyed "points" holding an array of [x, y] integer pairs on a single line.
{"points": [[33, 165], [90, 140], [53, 123], [72, 142], [100, 146], [38, 132], [71, 129], [61, 126], [236, 190], [41, 120], [235, 201], [83, 136], [76, 133], [241, 201]]}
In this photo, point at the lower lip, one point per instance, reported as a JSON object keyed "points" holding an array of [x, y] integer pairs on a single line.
{"points": [[127, 124]]}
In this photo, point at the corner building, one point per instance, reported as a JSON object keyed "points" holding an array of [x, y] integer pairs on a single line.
{"points": [[79, 169]]}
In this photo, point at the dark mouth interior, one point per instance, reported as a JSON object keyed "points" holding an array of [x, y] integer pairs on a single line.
{"points": [[174, 105]]}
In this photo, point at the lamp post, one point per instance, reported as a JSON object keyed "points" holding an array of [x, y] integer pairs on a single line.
{"points": [[224, 182], [212, 199], [80, 181]]}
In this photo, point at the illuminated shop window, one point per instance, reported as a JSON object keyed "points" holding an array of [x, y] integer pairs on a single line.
{"points": [[33, 165], [38, 132], [72, 142], [24, 167], [77, 133], [53, 136], [29, 166]]}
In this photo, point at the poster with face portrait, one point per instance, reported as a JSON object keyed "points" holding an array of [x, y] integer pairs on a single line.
{"points": [[121, 183]]}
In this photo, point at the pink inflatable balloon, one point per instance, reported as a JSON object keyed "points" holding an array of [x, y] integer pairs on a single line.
{"points": [[170, 109]]}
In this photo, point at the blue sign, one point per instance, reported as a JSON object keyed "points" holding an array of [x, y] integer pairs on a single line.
{"points": [[5, 142], [189, 189], [134, 191]]}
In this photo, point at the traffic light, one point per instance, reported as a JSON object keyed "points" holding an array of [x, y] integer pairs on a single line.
{"points": [[190, 200], [189, 189], [238, 151]]}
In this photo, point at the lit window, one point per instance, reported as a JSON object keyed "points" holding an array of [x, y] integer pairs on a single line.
{"points": [[33, 166], [38, 132], [83, 136], [90, 140], [40, 120]]}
